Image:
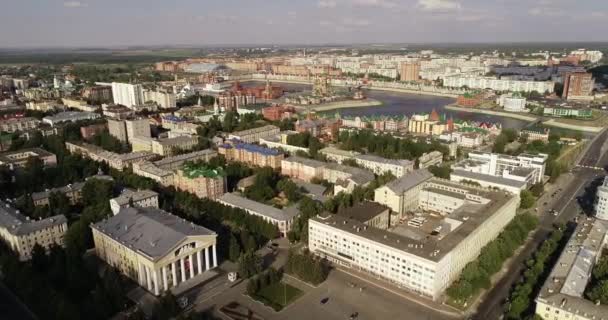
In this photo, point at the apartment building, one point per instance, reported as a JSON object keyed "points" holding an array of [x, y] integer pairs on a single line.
{"points": [[114, 160], [200, 180], [165, 100], [155, 248], [562, 296], [253, 135], [19, 158], [423, 252], [161, 171], [251, 154], [134, 198], [578, 86], [432, 158], [459, 81], [128, 95], [18, 124], [282, 218], [376, 164], [72, 191], [22, 234], [126, 130], [69, 116], [601, 201]]}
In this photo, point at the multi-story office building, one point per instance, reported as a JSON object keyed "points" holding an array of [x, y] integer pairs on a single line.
{"points": [[161, 171], [423, 252], [410, 71], [253, 135], [70, 116], [155, 248], [251, 154], [19, 158], [282, 218], [402, 194], [495, 164], [72, 191], [164, 147], [202, 181], [114, 160], [22, 234], [562, 297], [18, 124], [601, 201], [512, 102], [464, 139], [128, 95], [578, 86], [134, 198], [125, 130]]}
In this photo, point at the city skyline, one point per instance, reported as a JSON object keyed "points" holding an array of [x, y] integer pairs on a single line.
{"points": [[188, 22]]}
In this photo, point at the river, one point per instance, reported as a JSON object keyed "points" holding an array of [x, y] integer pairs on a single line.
{"points": [[397, 103]]}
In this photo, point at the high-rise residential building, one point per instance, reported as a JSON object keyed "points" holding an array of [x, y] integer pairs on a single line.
{"points": [[98, 93], [126, 130], [22, 234], [166, 100], [423, 252], [410, 71], [155, 248], [127, 94], [601, 201], [578, 86]]}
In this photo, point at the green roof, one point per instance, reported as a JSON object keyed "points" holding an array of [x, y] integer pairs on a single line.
{"points": [[193, 171]]}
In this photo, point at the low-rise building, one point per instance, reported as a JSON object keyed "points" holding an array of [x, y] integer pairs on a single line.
{"points": [[280, 142], [114, 160], [19, 158], [495, 164], [22, 234], [155, 248], [568, 112], [69, 116], [18, 124], [282, 218], [254, 135], [134, 198], [562, 297], [376, 164], [432, 158], [302, 168], [464, 139], [251, 154], [535, 135], [424, 252], [72, 191], [200, 180], [402, 194], [513, 102]]}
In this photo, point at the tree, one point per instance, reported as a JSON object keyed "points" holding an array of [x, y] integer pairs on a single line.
{"points": [[249, 264], [167, 307], [537, 189], [234, 251], [527, 199], [441, 171]]}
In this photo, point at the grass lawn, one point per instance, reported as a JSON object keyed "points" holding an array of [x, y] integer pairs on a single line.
{"points": [[280, 294]]}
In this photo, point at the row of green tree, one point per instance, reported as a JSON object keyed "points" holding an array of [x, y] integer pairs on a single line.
{"points": [[476, 275], [520, 304], [265, 279], [597, 290], [307, 267], [388, 146]]}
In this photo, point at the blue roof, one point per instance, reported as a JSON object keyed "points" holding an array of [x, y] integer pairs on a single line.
{"points": [[173, 118], [251, 148]]}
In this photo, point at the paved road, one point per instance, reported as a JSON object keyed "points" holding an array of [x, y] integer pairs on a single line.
{"points": [[568, 206]]}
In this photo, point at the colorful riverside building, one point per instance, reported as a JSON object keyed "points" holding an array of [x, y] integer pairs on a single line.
{"points": [[201, 180], [251, 154]]}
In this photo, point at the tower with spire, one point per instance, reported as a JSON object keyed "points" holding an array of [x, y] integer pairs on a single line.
{"points": [[216, 107]]}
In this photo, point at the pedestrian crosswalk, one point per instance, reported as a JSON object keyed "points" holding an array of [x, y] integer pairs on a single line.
{"points": [[590, 167]]}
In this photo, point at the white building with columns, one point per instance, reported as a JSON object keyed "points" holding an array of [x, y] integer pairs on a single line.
{"points": [[155, 248]]}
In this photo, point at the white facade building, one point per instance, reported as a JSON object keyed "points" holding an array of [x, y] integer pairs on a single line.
{"points": [[512, 103], [423, 253], [601, 202], [498, 84], [127, 94], [140, 198], [166, 100]]}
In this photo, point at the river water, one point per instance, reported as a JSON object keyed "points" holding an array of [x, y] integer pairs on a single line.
{"points": [[397, 103]]}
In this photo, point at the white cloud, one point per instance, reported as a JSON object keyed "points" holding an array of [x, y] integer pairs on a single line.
{"points": [[74, 4], [439, 5], [546, 12], [375, 3], [327, 4]]}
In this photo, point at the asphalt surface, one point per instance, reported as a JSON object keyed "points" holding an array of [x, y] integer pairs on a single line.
{"points": [[568, 203]]}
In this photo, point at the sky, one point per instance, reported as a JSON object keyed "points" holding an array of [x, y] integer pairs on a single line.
{"points": [[98, 23]]}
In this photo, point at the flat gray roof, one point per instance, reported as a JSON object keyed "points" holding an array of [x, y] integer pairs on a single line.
{"points": [[305, 161], [363, 211], [374, 158], [235, 200], [135, 195], [150, 231], [489, 178], [18, 224], [409, 180]]}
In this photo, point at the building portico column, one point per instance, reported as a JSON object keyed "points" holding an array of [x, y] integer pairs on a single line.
{"points": [[199, 262], [174, 273], [214, 256], [182, 269], [141, 275], [148, 279], [191, 265], [165, 286], [207, 265], [156, 284]]}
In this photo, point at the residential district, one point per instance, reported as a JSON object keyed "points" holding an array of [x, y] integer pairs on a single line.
{"points": [[244, 187]]}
